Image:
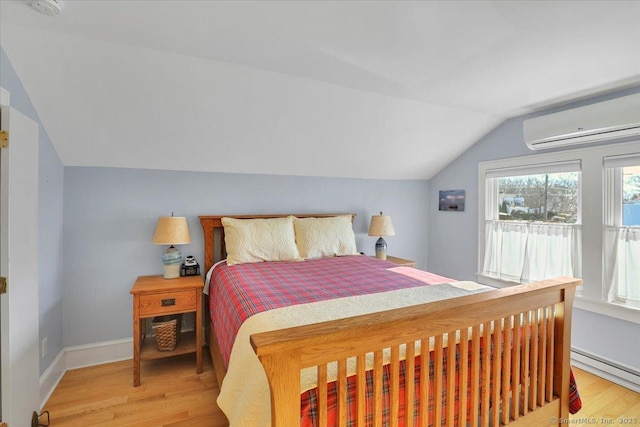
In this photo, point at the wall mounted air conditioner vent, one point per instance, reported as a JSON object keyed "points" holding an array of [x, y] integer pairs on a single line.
{"points": [[616, 118]]}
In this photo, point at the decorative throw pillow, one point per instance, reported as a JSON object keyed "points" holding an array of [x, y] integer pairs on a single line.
{"points": [[320, 237], [257, 240]]}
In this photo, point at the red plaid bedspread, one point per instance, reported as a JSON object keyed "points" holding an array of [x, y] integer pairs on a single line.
{"points": [[240, 291]]}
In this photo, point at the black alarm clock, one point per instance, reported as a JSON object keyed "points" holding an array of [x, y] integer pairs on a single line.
{"points": [[190, 267]]}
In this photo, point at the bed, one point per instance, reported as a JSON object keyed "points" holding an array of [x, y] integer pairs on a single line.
{"points": [[396, 363]]}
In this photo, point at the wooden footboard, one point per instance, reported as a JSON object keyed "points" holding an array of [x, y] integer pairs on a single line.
{"points": [[524, 380]]}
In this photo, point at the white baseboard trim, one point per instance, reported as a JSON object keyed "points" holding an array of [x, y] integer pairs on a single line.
{"points": [[616, 372], [79, 357], [51, 377], [98, 353]]}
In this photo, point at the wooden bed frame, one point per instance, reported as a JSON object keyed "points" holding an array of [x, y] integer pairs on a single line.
{"points": [[538, 316]]}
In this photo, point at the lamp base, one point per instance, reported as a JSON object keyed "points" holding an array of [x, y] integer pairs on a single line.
{"points": [[172, 258], [171, 271], [381, 249]]}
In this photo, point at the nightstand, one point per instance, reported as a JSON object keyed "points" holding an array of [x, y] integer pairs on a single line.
{"points": [[156, 296], [401, 261]]}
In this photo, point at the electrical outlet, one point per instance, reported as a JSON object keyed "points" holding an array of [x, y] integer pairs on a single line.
{"points": [[43, 349]]}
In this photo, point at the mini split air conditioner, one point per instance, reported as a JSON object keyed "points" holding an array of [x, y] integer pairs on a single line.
{"points": [[616, 118]]}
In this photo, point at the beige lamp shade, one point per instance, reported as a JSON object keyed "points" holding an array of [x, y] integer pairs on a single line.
{"points": [[172, 230], [381, 226]]}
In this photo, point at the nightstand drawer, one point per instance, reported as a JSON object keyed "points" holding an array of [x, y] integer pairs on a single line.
{"points": [[167, 302]]}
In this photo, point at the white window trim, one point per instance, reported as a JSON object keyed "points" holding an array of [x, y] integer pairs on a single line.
{"points": [[589, 296], [613, 200], [608, 309]]}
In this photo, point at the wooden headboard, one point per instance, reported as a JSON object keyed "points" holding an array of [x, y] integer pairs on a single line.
{"points": [[214, 232]]}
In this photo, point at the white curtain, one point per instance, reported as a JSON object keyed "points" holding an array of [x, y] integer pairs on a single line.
{"points": [[622, 263], [525, 252]]}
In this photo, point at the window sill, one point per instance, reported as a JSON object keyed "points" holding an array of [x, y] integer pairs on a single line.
{"points": [[617, 311], [608, 309]]}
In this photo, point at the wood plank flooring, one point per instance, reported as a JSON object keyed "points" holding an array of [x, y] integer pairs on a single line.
{"points": [[605, 403], [173, 395]]}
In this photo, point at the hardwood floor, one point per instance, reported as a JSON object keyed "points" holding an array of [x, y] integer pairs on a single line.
{"points": [[173, 395], [605, 403]]}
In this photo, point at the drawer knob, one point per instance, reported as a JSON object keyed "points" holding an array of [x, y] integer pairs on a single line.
{"points": [[169, 301]]}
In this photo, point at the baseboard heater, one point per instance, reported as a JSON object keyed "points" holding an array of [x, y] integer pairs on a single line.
{"points": [[617, 373]]}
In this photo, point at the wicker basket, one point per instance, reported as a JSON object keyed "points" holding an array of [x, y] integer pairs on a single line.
{"points": [[165, 329]]}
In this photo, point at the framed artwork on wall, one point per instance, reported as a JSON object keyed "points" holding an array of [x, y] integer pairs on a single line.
{"points": [[451, 200]]}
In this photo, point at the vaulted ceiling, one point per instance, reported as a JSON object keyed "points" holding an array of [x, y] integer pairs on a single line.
{"points": [[364, 89]]}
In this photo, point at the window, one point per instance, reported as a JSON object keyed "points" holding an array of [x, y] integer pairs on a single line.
{"points": [[546, 197], [532, 222], [621, 230], [631, 195], [574, 212]]}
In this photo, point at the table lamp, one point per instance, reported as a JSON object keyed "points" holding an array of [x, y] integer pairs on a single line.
{"points": [[172, 230], [381, 226]]}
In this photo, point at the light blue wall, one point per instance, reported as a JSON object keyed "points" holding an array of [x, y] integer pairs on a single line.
{"points": [[50, 194], [50, 250], [110, 216], [453, 236]]}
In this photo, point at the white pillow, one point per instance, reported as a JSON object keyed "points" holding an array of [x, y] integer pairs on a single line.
{"points": [[320, 237], [257, 240]]}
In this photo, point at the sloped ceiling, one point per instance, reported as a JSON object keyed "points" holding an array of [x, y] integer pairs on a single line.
{"points": [[391, 90]]}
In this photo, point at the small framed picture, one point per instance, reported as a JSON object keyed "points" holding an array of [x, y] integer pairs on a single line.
{"points": [[451, 200]]}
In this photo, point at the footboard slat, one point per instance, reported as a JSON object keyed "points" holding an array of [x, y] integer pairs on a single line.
{"points": [[486, 374], [524, 378], [542, 351], [322, 396], [451, 379], [515, 367], [496, 371], [550, 352], [377, 388], [342, 393], [475, 374], [505, 389], [424, 383], [464, 376], [360, 389], [394, 386], [526, 359], [534, 360], [437, 378], [410, 380]]}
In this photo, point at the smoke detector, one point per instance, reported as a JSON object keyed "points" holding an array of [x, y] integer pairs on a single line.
{"points": [[45, 7]]}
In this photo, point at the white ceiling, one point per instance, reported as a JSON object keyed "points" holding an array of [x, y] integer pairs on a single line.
{"points": [[392, 90]]}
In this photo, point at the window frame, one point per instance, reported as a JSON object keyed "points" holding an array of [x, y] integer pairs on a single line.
{"points": [[613, 216], [590, 295], [614, 204], [491, 180]]}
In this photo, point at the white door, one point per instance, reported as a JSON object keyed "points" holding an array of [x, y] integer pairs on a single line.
{"points": [[19, 263], [4, 329]]}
